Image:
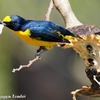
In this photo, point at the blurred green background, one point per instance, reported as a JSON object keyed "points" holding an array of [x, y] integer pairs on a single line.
{"points": [[60, 71]]}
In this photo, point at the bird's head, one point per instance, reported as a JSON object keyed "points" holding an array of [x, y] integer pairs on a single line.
{"points": [[14, 22]]}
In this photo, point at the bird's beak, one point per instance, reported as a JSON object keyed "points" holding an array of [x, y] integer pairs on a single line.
{"points": [[2, 23]]}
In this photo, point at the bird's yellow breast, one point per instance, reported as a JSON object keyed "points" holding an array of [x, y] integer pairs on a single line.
{"points": [[25, 36]]}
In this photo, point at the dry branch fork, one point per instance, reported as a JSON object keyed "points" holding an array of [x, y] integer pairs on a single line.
{"points": [[88, 48]]}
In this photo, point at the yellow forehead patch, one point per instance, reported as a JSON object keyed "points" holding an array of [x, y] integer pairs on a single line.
{"points": [[7, 19]]}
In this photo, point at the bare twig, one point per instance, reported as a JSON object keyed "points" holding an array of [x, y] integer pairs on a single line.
{"points": [[26, 66], [86, 92], [47, 16]]}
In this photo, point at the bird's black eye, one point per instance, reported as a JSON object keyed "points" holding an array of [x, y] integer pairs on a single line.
{"points": [[12, 23]]}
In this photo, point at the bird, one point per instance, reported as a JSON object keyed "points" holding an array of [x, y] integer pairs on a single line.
{"points": [[40, 33]]}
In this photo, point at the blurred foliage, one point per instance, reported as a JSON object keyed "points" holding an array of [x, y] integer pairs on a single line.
{"points": [[60, 71]]}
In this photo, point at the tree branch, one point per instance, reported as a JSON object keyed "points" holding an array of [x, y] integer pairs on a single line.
{"points": [[88, 48], [63, 6], [26, 66]]}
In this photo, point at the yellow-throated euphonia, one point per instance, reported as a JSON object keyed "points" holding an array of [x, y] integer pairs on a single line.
{"points": [[38, 32]]}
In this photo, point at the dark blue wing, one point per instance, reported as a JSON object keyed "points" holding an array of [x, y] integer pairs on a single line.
{"points": [[46, 31]]}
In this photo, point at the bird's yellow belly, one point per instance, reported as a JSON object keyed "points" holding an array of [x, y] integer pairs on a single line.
{"points": [[25, 37]]}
